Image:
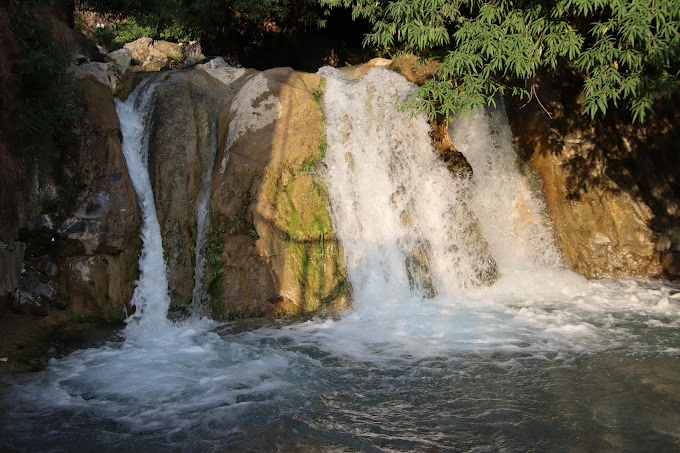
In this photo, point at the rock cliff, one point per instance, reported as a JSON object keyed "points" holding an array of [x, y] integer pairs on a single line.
{"points": [[610, 186]]}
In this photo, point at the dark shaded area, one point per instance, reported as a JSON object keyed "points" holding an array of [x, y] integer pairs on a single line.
{"points": [[455, 160], [337, 44]]}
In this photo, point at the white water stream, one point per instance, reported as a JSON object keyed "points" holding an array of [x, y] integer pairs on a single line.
{"points": [[151, 298], [203, 220], [512, 217], [542, 360]]}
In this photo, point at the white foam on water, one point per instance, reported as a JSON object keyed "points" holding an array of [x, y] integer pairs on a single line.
{"points": [[380, 164], [396, 208]]}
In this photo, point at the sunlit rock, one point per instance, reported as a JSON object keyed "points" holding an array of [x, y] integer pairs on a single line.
{"points": [[273, 249], [602, 230], [154, 55]]}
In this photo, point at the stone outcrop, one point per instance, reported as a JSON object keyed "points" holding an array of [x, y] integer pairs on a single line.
{"points": [[142, 55], [97, 242], [154, 55], [183, 137], [75, 217], [604, 232], [11, 265], [273, 247], [606, 185]]}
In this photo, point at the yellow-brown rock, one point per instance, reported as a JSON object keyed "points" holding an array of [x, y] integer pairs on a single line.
{"points": [[272, 231], [599, 183]]}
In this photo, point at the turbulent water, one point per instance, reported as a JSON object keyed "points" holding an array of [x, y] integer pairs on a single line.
{"points": [[543, 360]]}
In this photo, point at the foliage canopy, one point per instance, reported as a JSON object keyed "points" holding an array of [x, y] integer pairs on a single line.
{"points": [[48, 91], [184, 20], [625, 51]]}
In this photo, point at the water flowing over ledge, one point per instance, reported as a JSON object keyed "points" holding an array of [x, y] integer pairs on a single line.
{"points": [[427, 359], [150, 298], [399, 212]]}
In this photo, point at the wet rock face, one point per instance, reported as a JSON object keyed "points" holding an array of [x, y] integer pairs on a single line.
{"points": [[101, 227], [603, 232], [607, 186], [182, 138], [11, 265], [75, 201], [455, 160], [35, 295], [271, 248]]}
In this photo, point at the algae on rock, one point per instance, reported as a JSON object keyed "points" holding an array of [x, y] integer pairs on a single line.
{"points": [[278, 253]]}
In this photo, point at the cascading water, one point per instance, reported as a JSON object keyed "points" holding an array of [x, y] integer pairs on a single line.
{"points": [[512, 217], [151, 298], [397, 209], [428, 360], [202, 220]]}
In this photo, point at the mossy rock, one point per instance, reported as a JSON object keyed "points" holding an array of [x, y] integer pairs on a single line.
{"points": [[278, 253]]}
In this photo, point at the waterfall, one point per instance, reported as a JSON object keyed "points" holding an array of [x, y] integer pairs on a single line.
{"points": [[202, 219], [512, 214], [151, 298], [400, 214], [429, 359]]}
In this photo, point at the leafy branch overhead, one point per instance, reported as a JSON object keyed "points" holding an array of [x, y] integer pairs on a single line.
{"points": [[627, 52]]}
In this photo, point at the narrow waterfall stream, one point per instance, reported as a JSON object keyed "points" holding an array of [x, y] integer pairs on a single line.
{"points": [[151, 298], [429, 359], [203, 220]]}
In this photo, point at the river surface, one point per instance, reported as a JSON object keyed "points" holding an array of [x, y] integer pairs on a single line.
{"points": [[539, 374], [431, 358]]}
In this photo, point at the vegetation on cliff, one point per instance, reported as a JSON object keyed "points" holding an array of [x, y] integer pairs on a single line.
{"points": [[623, 52], [37, 95]]}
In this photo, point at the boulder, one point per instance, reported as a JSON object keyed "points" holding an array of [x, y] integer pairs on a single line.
{"points": [[110, 72], [219, 69], [181, 148], [602, 233], [100, 233], [413, 68], [48, 267], [121, 58], [154, 55], [105, 215], [272, 246], [99, 286], [358, 71], [36, 294]]}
